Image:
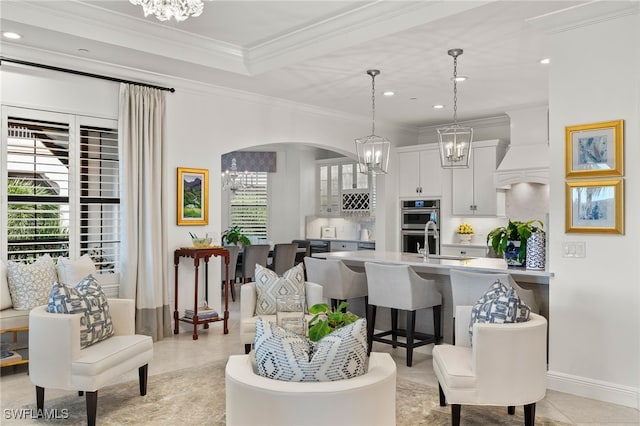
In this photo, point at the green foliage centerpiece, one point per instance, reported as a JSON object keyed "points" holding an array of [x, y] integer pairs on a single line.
{"points": [[326, 320], [515, 231], [235, 236]]}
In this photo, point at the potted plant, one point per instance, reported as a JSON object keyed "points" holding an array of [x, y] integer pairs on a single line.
{"points": [[510, 241], [326, 320], [235, 236]]}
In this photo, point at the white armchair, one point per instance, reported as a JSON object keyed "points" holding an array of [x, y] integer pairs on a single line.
{"points": [[506, 366], [248, 298], [57, 361]]}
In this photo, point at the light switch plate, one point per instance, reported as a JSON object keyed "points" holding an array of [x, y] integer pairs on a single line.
{"points": [[574, 249]]}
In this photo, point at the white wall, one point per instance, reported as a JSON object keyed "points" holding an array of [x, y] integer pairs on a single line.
{"points": [[595, 302]]}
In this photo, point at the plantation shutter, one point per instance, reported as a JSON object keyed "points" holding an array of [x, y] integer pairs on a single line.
{"points": [[100, 196], [38, 210], [249, 206]]}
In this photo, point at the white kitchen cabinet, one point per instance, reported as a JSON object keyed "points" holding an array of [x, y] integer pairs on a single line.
{"points": [[463, 250], [342, 189], [419, 172], [473, 191]]}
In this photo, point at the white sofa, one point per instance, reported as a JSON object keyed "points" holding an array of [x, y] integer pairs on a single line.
{"points": [[368, 400], [248, 299]]}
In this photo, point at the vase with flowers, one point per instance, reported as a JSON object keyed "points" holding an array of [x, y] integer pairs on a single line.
{"points": [[465, 233]]}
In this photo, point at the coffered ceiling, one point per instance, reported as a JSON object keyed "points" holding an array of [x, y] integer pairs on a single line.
{"points": [[314, 52]]}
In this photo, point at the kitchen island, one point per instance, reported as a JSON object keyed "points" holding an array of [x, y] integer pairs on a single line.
{"points": [[437, 268]]}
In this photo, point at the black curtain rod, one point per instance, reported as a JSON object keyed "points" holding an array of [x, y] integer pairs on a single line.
{"points": [[85, 74]]}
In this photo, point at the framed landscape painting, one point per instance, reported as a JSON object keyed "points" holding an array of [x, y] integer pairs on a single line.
{"points": [[193, 196], [595, 207], [595, 150]]}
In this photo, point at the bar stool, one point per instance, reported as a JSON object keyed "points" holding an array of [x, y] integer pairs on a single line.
{"points": [[400, 288], [337, 280]]}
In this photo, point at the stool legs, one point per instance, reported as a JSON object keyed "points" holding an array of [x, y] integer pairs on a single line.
{"points": [[371, 322], [394, 327], [411, 328], [437, 323]]}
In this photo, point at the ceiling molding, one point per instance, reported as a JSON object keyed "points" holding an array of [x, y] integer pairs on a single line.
{"points": [[582, 15], [88, 21], [371, 21]]}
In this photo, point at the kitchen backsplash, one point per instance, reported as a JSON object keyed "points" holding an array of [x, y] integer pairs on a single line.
{"points": [[346, 228]]}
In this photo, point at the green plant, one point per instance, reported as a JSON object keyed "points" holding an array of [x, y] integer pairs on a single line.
{"points": [[326, 320], [514, 231], [234, 235]]}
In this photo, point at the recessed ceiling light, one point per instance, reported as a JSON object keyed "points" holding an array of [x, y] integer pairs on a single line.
{"points": [[545, 61], [389, 93], [438, 106], [11, 35], [461, 78]]}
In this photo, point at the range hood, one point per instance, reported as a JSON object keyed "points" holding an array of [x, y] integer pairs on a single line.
{"points": [[527, 159]]}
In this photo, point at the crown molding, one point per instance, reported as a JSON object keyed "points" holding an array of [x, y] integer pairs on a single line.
{"points": [[584, 14]]}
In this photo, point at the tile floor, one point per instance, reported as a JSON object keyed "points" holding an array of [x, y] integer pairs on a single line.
{"points": [[181, 351]]}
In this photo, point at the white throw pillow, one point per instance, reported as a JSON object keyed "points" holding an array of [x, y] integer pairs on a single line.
{"points": [[30, 284], [71, 272], [269, 286], [5, 295], [284, 355], [86, 298]]}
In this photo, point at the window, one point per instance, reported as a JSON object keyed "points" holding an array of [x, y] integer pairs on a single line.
{"points": [[62, 185], [248, 208]]}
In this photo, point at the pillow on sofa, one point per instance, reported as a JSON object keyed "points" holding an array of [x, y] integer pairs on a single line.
{"points": [[499, 305], [30, 284], [5, 295], [71, 272], [88, 298], [269, 286], [284, 355]]}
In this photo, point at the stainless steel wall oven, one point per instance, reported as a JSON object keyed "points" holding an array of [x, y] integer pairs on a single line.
{"points": [[414, 216]]}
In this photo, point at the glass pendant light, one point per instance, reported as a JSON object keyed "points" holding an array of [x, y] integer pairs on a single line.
{"points": [[455, 140], [373, 151]]}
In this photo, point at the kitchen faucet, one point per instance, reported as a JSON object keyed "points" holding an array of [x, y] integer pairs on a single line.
{"points": [[425, 250]]}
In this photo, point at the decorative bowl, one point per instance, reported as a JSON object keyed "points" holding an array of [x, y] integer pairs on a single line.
{"points": [[201, 242]]}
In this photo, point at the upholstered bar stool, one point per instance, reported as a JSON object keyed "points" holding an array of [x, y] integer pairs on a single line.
{"points": [[338, 281], [400, 288]]}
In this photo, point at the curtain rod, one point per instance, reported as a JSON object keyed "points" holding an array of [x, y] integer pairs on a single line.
{"points": [[85, 74]]}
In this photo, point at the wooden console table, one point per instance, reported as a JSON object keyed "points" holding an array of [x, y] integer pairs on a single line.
{"points": [[197, 254]]}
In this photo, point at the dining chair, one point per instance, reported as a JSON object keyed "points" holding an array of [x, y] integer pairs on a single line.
{"points": [[251, 255], [233, 262], [302, 244], [284, 257]]}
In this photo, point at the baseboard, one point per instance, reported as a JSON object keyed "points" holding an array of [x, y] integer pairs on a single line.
{"points": [[595, 389]]}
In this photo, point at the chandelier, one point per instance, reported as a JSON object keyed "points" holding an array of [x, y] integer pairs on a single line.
{"points": [[455, 140], [166, 9], [232, 180], [373, 151]]}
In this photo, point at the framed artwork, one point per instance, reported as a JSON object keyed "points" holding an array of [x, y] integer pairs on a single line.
{"points": [[595, 207], [193, 196], [595, 150]]}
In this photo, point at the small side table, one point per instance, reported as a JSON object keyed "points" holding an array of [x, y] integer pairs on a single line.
{"points": [[197, 254]]}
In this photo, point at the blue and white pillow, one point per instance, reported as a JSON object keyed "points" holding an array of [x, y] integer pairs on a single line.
{"points": [[499, 305], [86, 298], [29, 284], [284, 355]]}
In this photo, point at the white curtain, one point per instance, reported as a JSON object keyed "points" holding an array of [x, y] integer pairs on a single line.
{"points": [[142, 138]]}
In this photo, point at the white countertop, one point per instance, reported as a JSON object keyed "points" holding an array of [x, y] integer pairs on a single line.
{"points": [[438, 266]]}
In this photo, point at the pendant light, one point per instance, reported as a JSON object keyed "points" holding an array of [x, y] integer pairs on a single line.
{"points": [[373, 151], [232, 180], [455, 140]]}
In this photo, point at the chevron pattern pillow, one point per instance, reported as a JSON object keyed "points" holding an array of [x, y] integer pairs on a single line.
{"points": [[85, 298], [499, 305], [284, 355], [270, 286]]}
